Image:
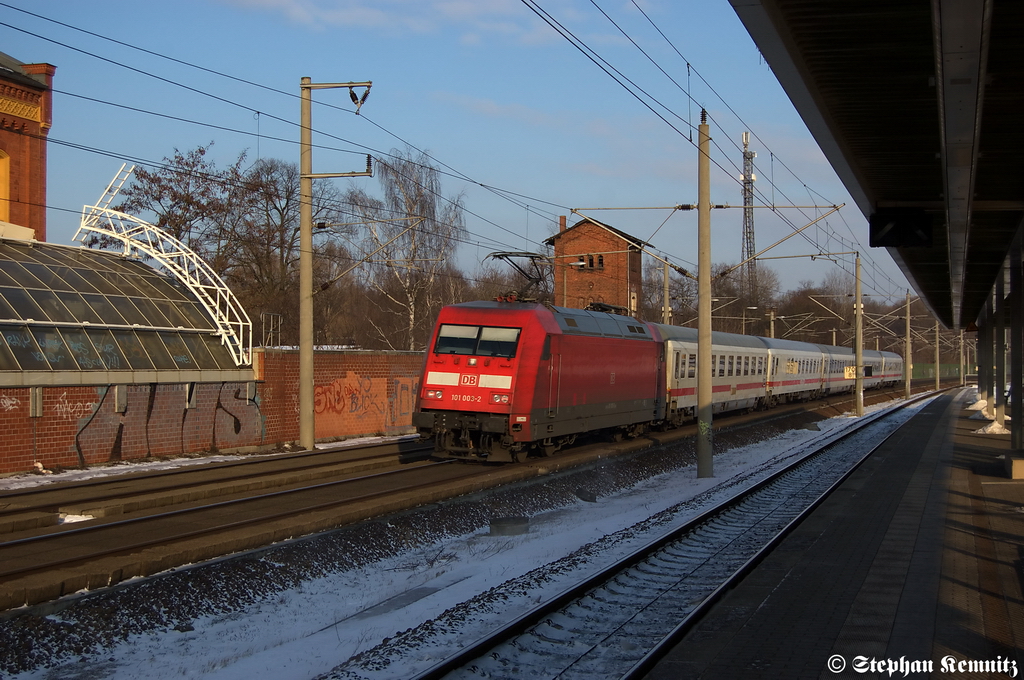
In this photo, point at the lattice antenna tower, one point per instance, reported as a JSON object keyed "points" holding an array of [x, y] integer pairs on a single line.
{"points": [[748, 178]]}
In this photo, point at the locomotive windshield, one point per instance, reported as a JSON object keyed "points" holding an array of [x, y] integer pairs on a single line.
{"points": [[484, 341]]}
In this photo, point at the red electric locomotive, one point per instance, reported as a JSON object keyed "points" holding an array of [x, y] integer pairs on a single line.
{"points": [[505, 379], [502, 378]]}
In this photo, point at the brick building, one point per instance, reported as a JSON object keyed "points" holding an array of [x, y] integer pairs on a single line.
{"points": [[595, 262], [25, 119]]}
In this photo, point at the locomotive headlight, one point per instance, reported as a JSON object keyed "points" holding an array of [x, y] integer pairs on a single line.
{"points": [[435, 394], [500, 398]]}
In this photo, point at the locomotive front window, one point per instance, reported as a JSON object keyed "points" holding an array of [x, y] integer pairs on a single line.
{"points": [[456, 339], [498, 342], [484, 341]]}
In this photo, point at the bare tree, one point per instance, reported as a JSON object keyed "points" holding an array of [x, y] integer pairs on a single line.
{"points": [[264, 224], [415, 231], [492, 280], [186, 197]]}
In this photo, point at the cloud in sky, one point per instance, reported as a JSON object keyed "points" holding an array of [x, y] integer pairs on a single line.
{"points": [[477, 19]]}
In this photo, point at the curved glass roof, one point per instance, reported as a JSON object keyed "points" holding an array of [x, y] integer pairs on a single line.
{"points": [[74, 309]]}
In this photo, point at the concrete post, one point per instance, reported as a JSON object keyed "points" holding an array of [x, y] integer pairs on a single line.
{"points": [[1016, 348], [666, 312], [985, 358], [963, 380], [908, 354], [858, 344], [705, 434], [999, 384], [307, 425]]}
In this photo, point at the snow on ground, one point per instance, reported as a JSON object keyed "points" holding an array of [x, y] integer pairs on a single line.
{"points": [[992, 428], [978, 407], [27, 479], [310, 629]]}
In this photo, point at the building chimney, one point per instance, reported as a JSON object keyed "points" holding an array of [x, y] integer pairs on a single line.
{"points": [[561, 223]]}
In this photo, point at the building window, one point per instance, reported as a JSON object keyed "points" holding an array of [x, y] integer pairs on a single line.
{"points": [[600, 261]]}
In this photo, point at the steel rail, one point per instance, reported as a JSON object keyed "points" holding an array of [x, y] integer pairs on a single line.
{"points": [[537, 614], [192, 470], [168, 540], [643, 666]]}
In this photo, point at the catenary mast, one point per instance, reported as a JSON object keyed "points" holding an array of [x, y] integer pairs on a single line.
{"points": [[748, 178]]}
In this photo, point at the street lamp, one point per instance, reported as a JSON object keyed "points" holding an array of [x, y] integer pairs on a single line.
{"points": [[745, 318], [565, 283]]}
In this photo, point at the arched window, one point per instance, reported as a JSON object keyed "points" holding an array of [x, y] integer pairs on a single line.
{"points": [[600, 261]]}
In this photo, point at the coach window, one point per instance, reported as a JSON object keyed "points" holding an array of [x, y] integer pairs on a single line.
{"points": [[746, 365], [713, 364], [729, 367], [692, 370], [721, 365], [678, 359]]}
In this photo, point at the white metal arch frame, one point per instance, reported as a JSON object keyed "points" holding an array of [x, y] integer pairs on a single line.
{"points": [[233, 324]]}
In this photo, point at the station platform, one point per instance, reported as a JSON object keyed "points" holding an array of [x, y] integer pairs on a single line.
{"points": [[918, 557]]}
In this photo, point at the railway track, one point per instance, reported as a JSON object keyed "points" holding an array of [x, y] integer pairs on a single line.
{"points": [[149, 522], [39, 509], [612, 623], [97, 554]]}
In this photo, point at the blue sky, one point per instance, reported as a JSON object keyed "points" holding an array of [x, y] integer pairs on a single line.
{"points": [[484, 86]]}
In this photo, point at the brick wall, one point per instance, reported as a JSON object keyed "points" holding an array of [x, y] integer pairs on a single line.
{"points": [[357, 394]]}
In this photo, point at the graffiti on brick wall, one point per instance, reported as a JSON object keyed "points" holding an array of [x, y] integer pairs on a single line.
{"points": [[352, 394], [9, 402], [157, 422], [73, 410], [375, 403], [402, 400]]}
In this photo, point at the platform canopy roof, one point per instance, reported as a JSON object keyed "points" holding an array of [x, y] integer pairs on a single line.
{"points": [[917, 106], [83, 316]]}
